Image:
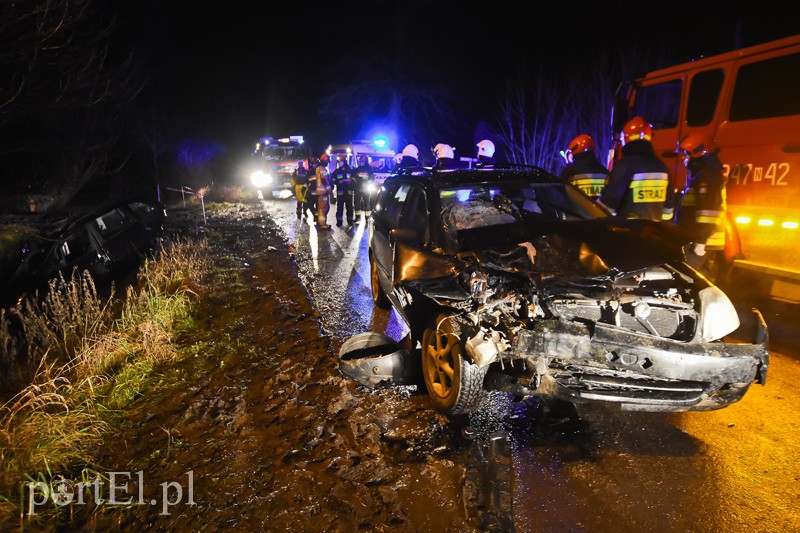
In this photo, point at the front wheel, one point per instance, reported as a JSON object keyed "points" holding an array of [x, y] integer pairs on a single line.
{"points": [[378, 296], [455, 385]]}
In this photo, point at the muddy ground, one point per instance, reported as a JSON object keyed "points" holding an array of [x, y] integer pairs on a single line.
{"points": [[269, 432]]}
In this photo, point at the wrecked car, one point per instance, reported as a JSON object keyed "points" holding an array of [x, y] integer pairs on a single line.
{"points": [[511, 280], [107, 242]]}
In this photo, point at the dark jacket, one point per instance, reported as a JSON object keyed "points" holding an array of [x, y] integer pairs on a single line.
{"points": [[364, 174], [344, 179], [408, 161], [587, 174], [639, 184], [485, 162], [702, 205], [445, 163]]}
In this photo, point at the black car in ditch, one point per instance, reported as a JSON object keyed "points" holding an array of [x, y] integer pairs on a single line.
{"points": [[108, 242], [511, 280]]}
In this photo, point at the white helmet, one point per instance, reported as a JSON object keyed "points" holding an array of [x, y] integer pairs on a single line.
{"points": [[443, 150], [486, 148], [411, 151]]}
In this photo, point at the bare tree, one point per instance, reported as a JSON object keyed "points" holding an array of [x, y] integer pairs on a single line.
{"points": [[539, 114], [65, 93]]}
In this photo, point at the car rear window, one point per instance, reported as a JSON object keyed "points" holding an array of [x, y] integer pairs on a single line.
{"points": [[112, 221]]}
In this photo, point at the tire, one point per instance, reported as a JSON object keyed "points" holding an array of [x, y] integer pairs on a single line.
{"points": [[455, 385], [379, 298]]}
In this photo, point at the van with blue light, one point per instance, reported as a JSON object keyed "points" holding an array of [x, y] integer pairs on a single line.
{"points": [[746, 101], [381, 157]]}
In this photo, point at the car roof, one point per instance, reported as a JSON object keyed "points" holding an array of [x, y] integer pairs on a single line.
{"points": [[442, 179], [77, 220]]}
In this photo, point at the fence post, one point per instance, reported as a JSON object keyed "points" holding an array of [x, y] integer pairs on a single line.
{"points": [[203, 205]]}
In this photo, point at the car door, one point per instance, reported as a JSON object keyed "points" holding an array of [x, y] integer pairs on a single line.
{"points": [[385, 218], [412, 236]]}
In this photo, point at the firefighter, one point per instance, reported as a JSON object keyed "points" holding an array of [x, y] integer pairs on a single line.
{"points": [[311, 196], [639, 184], [365, 178], [701, 207], [444, 157], [323, 192], [344, 180], [299, 183], [485, 154], [409, 156], [583, 169]]}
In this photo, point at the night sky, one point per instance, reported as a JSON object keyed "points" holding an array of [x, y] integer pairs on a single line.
{"points": [[234, 71]]}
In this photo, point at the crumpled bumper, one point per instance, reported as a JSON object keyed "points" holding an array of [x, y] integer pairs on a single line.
{"points": [[598, 363], [376, 360]]}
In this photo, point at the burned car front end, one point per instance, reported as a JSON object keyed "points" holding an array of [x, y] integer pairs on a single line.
{"points": [[534, 295]]}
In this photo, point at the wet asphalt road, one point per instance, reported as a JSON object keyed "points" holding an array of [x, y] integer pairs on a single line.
{"points": [[735, 469]]}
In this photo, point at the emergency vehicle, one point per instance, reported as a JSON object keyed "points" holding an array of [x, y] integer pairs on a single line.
{"points": [[746, 102], [275, 159], [381, 158]]}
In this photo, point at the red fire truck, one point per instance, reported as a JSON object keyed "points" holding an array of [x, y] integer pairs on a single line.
{"points": [[746, 101]]}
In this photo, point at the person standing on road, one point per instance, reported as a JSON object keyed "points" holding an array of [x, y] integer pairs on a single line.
{"points": [[323, 192], [365, 179], [486, 154], [639, 185], [445, 157], [702, 205], [313, 163], [583, 169], [344, 180], [300, 188], [409, 157]]}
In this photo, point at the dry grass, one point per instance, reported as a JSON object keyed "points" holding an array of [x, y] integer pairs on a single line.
{"points": [[71, 312], [92, 355]]}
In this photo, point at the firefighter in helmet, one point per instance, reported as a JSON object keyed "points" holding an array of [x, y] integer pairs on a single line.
{"points": [[410, 156], [445, 157], [485, 154], [365, 182], [300, 188], [323, 192], [702, 206], [583, 169], [344, 180], [639, 185]]}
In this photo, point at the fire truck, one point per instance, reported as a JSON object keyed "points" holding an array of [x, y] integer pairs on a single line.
{"points": [[274, 160], [746, 102]]}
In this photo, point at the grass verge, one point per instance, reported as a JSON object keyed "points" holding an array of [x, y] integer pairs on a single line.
{"points": [[88, 357]]}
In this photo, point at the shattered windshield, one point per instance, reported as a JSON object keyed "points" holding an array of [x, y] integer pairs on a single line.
{"points": [[490, 205]]}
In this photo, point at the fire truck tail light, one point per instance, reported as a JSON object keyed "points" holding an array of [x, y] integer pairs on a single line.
{"points": [[789, 224], [765, 222], [742, 220]]}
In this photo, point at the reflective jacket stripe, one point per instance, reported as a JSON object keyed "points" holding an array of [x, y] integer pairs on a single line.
{"points": [[649, 187], [716, 241], [708, 216]]}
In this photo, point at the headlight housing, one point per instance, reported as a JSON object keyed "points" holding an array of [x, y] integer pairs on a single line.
{"points": [[259, 179], [718, 316]]}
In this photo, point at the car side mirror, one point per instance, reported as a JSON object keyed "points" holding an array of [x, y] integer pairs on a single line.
{"points": [[404, 234]]}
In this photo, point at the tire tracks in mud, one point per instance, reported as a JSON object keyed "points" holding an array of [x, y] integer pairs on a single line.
{"points": [[275, 438]]}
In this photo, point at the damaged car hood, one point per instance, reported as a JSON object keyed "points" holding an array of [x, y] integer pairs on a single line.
{"points": [[589, 247]]}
